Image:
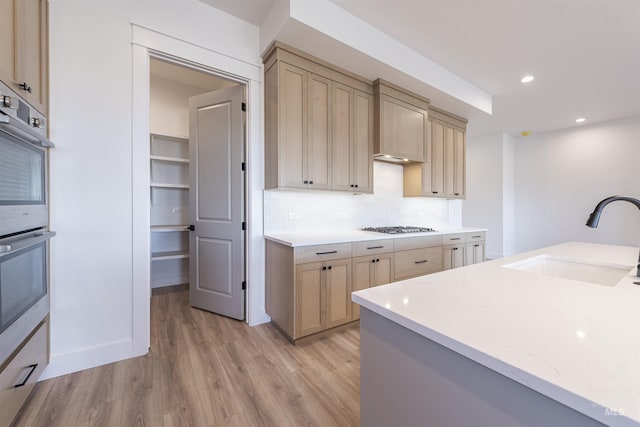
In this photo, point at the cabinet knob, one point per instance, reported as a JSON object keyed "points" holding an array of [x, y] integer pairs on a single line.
{"points": [[329, 267], [7, 102], [352, 185], [324, 268], [310, 182], [434, 192], [37, 122], [454, 249], [305, 182], [192, 227], [25, 86], [373, 260]]}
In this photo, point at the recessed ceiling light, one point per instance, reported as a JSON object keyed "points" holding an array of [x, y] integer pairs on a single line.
{"points": [[526, 79], [580, 120], [525, 133]]}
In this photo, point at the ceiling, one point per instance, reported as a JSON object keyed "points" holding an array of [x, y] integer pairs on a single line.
{"points": [[585, 55]]}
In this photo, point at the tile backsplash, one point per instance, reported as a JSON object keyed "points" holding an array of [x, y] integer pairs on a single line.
{"points": [[307, 210]]}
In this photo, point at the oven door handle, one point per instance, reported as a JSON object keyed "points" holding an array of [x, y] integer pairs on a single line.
{"points": [[22, 131], [9, 248]]}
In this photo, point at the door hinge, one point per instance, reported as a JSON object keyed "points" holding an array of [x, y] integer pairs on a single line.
{"points": [[244, 285], [244, 225], [244, 106], [244, 166]]}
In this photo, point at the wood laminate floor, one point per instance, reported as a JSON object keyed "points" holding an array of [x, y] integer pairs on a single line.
{"points": [[208, 370]]}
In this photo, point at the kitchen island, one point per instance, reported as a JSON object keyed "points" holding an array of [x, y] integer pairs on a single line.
{"points": [[549, 337]]}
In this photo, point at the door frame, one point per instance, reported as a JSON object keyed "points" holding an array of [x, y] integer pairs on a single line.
{"points": [[147, 43]]}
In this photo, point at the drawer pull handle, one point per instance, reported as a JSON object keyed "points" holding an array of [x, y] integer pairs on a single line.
{"points": [[32, 369], [326, 253], [454, 238], [421, 262], [476, 237], [375, 247], [476, 246]]}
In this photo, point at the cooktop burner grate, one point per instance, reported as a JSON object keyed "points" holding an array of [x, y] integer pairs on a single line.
{"points": [[399, 229]]}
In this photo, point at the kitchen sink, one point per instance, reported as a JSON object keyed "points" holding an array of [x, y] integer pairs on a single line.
{"points": [[573, 269]]}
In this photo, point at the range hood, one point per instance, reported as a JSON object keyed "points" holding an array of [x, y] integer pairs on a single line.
{"points": [[391, 159]]}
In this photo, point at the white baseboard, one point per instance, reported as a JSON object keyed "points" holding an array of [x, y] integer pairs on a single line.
{"points": [[86, 358]]}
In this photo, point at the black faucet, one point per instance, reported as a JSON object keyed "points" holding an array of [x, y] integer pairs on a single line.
{"points": [[595, 217]]}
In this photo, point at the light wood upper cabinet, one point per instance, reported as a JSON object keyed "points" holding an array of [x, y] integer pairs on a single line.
{"points": [[318, 125], [443, 175], [318, 147], [7, 40], [352, 161], [401, 123], [24, 49]]}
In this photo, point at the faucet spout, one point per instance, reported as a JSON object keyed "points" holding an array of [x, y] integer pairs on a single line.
{"points": [[594, 218]]}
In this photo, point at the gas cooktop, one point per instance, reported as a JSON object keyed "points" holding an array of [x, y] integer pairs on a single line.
{"points": [[399, 229]]}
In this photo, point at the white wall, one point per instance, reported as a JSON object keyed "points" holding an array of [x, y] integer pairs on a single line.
{"points": [[328, 210], [484, 204], [91, 93], [537, 191], [560, 176]]}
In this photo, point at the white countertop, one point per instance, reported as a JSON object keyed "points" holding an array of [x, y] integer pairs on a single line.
{"points": [[575, 342], [350, 235]]}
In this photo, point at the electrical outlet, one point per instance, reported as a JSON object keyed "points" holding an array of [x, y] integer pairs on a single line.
{"points": [[293, 215]]}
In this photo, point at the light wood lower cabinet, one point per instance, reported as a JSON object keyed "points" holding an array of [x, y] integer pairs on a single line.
{"points": [[19, 375], [462, 249], [323, 295], [308, 288], [370, 271], [305, 297]]}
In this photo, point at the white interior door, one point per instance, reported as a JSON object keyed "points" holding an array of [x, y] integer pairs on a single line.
{"points": [[216, 202]]}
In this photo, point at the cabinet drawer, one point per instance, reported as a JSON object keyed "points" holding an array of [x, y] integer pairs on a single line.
{"points": [[409, 243], [371, 247], [306, 254], [24, 368], [477, 236], [417, 262], [454, 239]]}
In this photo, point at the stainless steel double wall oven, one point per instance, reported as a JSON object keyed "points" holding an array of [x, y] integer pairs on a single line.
{"points": [[24, 221]]}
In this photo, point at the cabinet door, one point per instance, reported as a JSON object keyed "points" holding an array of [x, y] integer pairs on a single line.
{"points": [[362, 169], [453, 256], [31, 56], [449, 160], [292, 104], [338, 292], [309, 299], [474, 253], [383, 270], [341, 149], [458, 163], [7, 40], [362, 278], [437, 157], [318, 152]]}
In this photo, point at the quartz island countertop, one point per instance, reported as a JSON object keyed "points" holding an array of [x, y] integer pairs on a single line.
{"points": [[575, 342]]}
